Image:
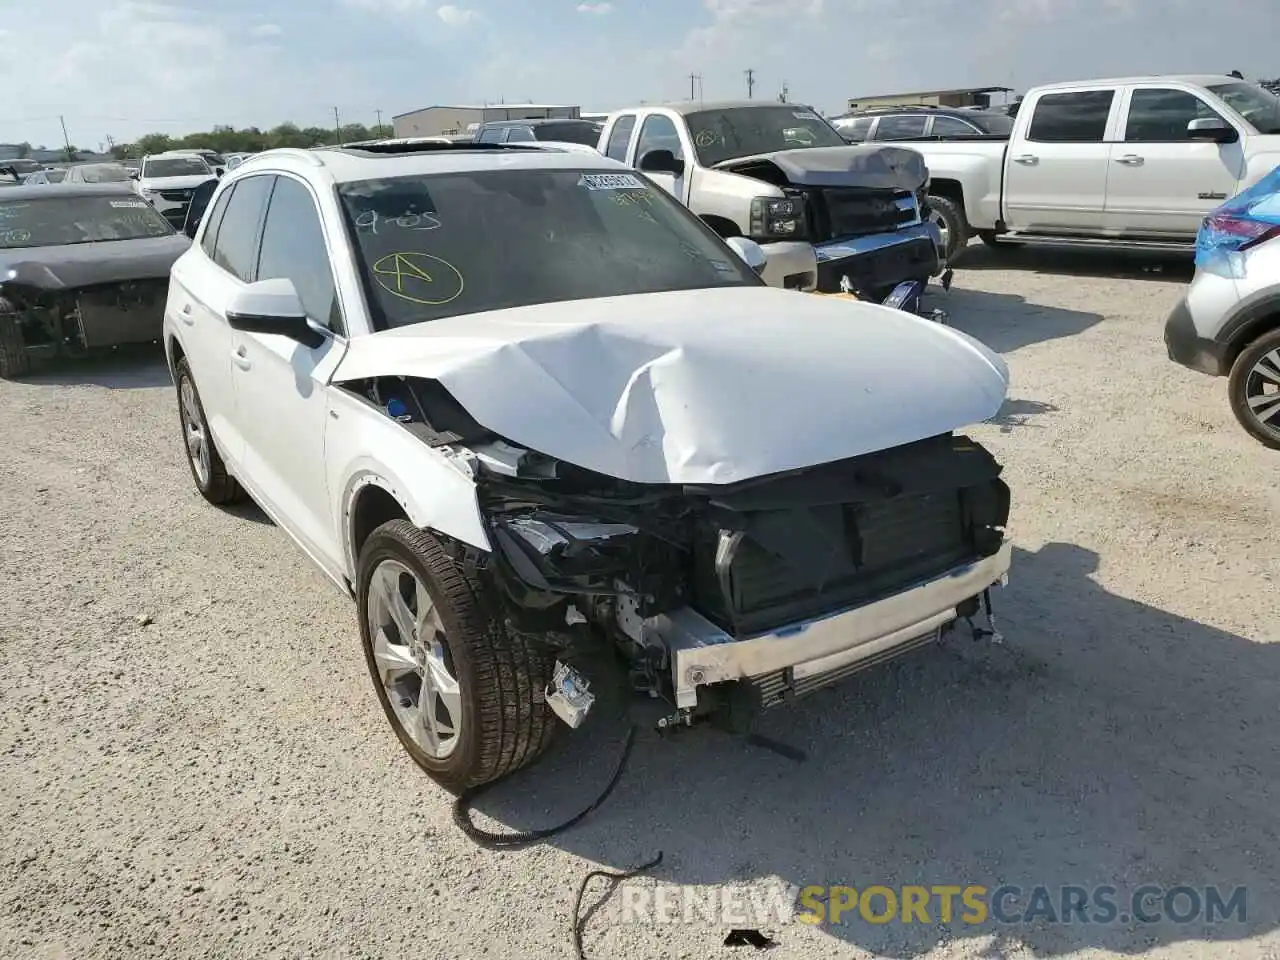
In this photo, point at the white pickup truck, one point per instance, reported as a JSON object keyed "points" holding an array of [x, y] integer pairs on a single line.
{"points": [[777, 173], [1134, 163]]}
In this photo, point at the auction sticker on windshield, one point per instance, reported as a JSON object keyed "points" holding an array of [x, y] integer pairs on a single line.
{"points": [[134, 204], [805, 115], [610, 181]]}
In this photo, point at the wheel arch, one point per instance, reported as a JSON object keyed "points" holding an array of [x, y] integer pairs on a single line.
{"points": [[725, 227], [373, 495], [1253, 317]]}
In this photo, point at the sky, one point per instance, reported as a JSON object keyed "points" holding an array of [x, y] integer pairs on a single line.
{"points": [[122, 68]]}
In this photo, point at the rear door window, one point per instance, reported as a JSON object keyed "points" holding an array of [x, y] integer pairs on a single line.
{"points": [[901, 126], [210, 235], [1076, 117], [236, 248]]}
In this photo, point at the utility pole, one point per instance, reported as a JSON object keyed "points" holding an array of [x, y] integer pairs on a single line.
{"points": [[337, 126], [782, 97], [66, 141], [379, 113], [751, 83], [695, 86]]}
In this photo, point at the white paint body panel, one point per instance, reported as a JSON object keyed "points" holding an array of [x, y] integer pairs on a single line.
{"points": [[1108, 189], [699, 387]]}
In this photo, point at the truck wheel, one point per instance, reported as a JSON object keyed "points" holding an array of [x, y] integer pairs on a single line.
{"points": [[14, 361], [950, 220], [207, 469], [1254, 389], [463, 694]]}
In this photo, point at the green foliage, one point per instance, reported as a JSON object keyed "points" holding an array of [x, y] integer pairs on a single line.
{"points": [[226, 139]]}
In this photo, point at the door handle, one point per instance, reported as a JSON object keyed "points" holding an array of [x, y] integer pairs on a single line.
{"points": [[1030, 159], [185, 314], [1131, 160], [240, 356]]}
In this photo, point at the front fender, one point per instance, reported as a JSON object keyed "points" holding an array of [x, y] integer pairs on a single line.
{"points": [[365, 447]]}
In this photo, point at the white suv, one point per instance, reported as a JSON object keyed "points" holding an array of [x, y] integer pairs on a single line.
{"points": [[523, 405]]}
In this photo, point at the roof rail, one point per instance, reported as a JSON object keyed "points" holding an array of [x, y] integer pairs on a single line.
{"points": [[401, 146]]}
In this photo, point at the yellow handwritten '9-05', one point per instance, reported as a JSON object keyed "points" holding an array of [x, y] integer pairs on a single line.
{"points": [[878, 904]]}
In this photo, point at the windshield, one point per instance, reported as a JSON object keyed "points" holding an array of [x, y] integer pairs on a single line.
{"points": [[720, 135], [175, 167], [104, 173], [55, 176], [1258, 106], [450, 244], [22, 166], [52, 221], [581, 131]]}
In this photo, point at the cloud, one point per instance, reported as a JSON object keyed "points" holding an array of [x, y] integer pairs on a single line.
{"points": [[266, 31], [596, 8], [456, 16]]}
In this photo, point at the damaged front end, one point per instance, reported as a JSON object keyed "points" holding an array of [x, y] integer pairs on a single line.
{"points": [[716, 596], [864, 210]]}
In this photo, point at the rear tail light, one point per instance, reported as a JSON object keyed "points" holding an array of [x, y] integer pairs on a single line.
{"points": [[1238, 233]]}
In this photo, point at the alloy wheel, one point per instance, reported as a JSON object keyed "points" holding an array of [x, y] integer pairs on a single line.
{"points": [[1262, 392], [413, 660], [193, 429]]}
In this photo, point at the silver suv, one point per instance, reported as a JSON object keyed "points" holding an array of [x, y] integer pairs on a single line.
{"points": [[1228, 323]]}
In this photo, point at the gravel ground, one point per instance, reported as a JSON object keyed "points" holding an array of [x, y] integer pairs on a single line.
{"points": [[193, 762]]}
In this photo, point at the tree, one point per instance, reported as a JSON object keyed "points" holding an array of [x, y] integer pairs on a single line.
{"points": [[228, 139]]}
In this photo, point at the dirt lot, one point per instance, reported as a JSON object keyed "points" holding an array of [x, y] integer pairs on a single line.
{"points": [[193, 763]]}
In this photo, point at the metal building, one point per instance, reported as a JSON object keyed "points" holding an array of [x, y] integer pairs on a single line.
{"points": [[965, 97], [438, 120]]}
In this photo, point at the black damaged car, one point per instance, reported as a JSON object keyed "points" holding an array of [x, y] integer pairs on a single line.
{"points": [[82, 267]]}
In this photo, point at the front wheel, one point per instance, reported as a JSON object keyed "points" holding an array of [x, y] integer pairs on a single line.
{"points": [[463, 694], [1254, 389], [949, 218]]}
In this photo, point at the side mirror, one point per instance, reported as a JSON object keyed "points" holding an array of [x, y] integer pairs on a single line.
{"points": [[752, 253], [272, 306], [662, 161], [1212, 129], [135, 174], [219, 171]]}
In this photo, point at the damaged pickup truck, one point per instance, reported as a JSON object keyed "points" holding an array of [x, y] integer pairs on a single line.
{"points": [[81, 267], [784, 177], [612, 452]]}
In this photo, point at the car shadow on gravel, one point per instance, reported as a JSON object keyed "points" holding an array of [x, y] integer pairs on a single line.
{"points": [[1005, 321], [1106, 742], [1068, 262], [127, 367]]}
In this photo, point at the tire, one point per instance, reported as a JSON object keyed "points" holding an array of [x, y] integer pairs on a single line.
{"points": [[950, 219], [207, 469], [1258, 365], [14, 361], [498, 677]]}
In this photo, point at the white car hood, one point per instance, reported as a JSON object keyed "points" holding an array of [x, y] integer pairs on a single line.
{"points": [[699, 386]]}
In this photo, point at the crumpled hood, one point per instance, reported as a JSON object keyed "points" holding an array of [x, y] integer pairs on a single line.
{"points": [[85, 264], [863, 165], [699, 386]]}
